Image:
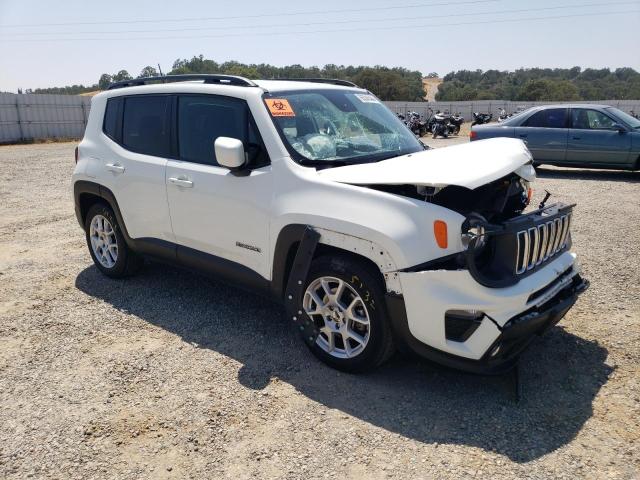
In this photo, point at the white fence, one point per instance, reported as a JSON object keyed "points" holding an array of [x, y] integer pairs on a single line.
{"points": [[33, 116]]}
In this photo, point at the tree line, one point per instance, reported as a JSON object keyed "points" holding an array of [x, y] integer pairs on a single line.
{"points": [[541, 84], [530, 84], [388, 83]]}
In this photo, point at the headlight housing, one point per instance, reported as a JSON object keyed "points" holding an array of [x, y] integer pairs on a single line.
{"points": [[473, 233]]}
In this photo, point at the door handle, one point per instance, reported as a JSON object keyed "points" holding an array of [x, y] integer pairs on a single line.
{"points": [[523, 135], [181, 182], [576, 138], [115, 168]]}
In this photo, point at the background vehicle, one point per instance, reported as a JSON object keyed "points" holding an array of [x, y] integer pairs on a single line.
{"points": [[480, 118], [455, 122], [315, 193], [573, 135], [439, 124]]}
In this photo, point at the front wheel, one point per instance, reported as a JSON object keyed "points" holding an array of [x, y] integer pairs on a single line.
{"points": [[344, 299]]}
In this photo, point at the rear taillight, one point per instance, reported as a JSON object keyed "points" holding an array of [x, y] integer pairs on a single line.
{"points": [[76, 154], [473, 135]]}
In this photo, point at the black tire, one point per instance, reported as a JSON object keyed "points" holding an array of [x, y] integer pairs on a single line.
{"points": [[127, 262], [366, 283]]}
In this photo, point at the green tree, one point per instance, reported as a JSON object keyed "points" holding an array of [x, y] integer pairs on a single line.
{"points": [[147, 72], [121, 76], [105, 81]]}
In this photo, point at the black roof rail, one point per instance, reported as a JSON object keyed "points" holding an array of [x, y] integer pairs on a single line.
{"points": [[331, 81], [206, 78]]}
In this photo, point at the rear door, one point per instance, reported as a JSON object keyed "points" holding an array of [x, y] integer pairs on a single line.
{"points": [[132, 166], [594, 142], [545, 133]]}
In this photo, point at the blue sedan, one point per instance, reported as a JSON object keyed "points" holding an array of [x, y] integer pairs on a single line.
{"points": [[575, 135]]}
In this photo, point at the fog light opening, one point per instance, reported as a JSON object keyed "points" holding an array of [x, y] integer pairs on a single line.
{"points": [[459, 325]]}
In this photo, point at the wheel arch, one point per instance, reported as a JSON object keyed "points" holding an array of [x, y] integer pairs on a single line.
{"points": [[87, 194], [335, 243]]}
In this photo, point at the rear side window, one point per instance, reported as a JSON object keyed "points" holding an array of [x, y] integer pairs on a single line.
{"points": [[549, 118], [111, 118], [145, 125], [204, 118]]}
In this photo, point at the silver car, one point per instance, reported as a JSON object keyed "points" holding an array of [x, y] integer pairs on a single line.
{"points": [[573, 135]]}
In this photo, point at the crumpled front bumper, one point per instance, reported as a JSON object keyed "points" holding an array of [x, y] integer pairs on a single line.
{"points": [[514, 315]]}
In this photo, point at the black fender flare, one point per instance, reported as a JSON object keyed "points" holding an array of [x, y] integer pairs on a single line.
{"points": [[83, 187]]}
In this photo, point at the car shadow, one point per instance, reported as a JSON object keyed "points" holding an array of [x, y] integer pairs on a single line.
{"points": [[560, 374], [585, 174]]}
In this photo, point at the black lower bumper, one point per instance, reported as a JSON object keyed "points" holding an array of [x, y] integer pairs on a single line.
{"points": [[514, 337]]}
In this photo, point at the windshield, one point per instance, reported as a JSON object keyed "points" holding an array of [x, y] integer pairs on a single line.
{"points": [[625, 117], [337, 127]]}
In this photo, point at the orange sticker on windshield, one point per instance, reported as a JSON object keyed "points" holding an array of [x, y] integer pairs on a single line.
{"points": [[279, 107]]}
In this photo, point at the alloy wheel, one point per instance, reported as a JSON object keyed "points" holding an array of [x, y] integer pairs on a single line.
{"points": [[340, 315], [103, 241]]}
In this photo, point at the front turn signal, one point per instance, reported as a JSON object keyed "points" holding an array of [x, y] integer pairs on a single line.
{"points": [[440, 232]]}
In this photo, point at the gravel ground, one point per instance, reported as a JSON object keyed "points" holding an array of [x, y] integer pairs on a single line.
{"points": [[170, 375]]}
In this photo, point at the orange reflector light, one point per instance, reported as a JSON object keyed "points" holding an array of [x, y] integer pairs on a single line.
{"points": [[440, 232], [529, 195], [473, 134]]}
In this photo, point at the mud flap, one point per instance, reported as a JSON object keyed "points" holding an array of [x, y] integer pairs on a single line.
{"points": [[295, 285]]}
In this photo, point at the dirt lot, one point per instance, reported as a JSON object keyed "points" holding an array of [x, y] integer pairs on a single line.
{"points": [[170, 375]]}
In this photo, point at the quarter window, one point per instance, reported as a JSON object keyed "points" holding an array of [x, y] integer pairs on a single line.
{"points": [[111, 117], [585, 119], [549, 118], [145, 125]]}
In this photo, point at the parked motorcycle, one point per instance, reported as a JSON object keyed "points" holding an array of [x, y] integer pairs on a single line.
{"points": [[440, 125], [481, 118], [455, 122], [503, 115], [634, 114], [415, 123]]}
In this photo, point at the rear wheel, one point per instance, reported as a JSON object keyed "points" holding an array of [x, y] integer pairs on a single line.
{"points": [[106, 243], [345, 300]]}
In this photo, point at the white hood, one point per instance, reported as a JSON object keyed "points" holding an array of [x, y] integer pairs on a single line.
{"points": [[470, 165]]}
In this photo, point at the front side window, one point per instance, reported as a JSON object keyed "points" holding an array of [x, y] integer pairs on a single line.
{"points": [[204, 118], [587, 119], [145, 125], [325, 127], [548, 118]]}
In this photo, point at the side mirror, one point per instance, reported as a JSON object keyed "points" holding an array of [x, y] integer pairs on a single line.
{"points": [[229, 152], [618, 127]]}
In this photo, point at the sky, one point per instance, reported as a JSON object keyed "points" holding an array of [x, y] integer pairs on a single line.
{"points": [[47, 43]]}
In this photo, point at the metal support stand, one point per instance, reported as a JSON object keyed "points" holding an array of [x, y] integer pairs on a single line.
{"points": [[20, 126], [295, 285]]}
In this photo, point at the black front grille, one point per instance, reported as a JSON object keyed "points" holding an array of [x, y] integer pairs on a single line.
{"points": [[520, 246], [538, 244]]}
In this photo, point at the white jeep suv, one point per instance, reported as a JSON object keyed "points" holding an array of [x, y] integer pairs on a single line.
{"points": [[316, 194]]}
